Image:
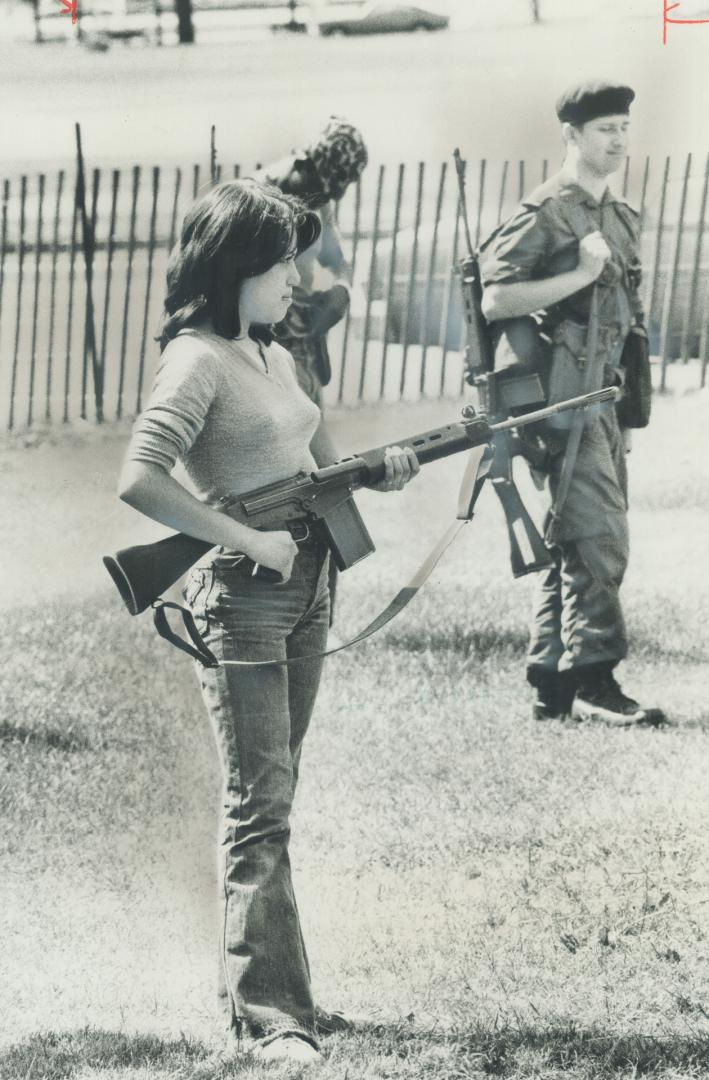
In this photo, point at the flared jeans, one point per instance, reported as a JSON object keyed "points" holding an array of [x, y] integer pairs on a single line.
{"points": [[260, 717]]}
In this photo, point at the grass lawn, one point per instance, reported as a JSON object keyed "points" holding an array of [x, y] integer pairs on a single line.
{"points": [[485, 896]]}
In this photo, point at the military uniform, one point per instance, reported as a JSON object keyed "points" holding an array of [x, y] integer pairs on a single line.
{"points": [[578, 620]]}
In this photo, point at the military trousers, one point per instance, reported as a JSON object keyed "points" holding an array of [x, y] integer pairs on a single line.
{"points": [[577, 618]]}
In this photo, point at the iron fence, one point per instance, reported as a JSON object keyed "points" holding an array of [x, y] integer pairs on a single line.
{"points": [[81, 279]]}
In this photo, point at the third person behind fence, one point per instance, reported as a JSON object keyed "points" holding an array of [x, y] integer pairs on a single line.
{"points": [[569, 258], [319, 175]]}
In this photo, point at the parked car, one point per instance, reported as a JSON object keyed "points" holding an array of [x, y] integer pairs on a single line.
{"points": [[383, 18]]}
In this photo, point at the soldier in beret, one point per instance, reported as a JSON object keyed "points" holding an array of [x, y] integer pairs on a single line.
{"points": [[568, 240]]}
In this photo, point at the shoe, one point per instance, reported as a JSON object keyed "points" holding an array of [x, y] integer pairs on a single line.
{"points": [[654, 718], [600, 699], [543, 711], [329, 1023], [295, 1048], [553, 694]]}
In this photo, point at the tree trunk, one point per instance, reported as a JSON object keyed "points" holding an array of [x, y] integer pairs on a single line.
{"points": [[536, 17], [185, 28]]}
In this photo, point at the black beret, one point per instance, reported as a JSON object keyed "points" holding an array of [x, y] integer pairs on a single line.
{"points": [[589, 100]]}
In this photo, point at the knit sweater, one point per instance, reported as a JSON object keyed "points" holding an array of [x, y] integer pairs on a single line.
{"points": [[235, 421]]}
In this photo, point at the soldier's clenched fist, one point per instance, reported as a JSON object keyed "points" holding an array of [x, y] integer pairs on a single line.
{"points": [[594, 253]]}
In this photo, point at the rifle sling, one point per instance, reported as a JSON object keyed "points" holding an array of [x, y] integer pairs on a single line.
{"points": [[471, 486], [578, 422], [198, 650]]}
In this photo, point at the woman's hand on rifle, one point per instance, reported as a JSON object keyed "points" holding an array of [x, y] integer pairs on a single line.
{"points": [[275, 550], [400, 466]]}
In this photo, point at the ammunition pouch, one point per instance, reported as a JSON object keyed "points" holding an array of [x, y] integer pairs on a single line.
{"points": [[633, 409], [521, 357], [568, 376]]}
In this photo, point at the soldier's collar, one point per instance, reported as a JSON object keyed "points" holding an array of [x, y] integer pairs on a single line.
{"points": [[575, 193]]}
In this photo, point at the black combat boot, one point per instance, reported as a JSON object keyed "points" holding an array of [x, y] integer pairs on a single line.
{"points": [[599, 698], [554, 693]]}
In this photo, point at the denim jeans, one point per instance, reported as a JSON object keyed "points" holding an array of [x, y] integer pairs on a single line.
{"points": [[260, 717]]}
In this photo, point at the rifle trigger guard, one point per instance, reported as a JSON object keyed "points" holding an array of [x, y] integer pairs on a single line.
{"points": [[300, 531]]}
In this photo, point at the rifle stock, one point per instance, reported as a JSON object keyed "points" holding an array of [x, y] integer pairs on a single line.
{"points": [[528, 551], [141, 573]]}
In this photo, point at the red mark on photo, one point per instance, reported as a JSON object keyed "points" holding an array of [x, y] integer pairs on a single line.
{"points": [[667, 20], [69, 8]]}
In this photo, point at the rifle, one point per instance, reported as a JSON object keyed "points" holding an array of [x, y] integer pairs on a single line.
{"points": [[497, 393], [321, 498]]}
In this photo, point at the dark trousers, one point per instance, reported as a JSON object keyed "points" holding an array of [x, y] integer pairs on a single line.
{"points": [[577, 617]]}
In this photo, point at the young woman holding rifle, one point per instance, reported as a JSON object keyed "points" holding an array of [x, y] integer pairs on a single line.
{"points": [[227, 404]]}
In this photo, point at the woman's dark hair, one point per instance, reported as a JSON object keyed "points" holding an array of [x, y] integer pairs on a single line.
{"points": [[235, 231], [303, 181]]}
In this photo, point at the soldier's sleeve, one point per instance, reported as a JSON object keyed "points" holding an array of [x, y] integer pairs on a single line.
{"points": [[517, 251]]}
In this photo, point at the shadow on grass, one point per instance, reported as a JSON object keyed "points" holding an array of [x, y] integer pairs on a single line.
{"points": [[508, 1052], [438, 1054], [48, 738]]}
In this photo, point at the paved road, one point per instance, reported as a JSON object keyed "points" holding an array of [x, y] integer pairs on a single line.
{"points": [[484, 86]]}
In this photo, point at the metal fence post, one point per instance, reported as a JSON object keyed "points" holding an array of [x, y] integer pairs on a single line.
{"points": [[126, 299], [503, 186], [426, 307], [213, 155], [652, 290], [173, 215], [696, 268], [643, 193], [3, 238], [148, 285], [35, 303], [370, 286], [53, 294], [704, 343], [671, 285], [70, 308], [18, 316], [392, 276], [110, 246], [353, 266], [411, 287]]}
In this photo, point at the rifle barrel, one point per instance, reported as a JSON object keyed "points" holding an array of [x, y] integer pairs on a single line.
{"points": [[584, 401]]}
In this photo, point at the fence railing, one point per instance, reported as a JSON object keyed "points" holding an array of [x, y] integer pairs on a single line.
{"points": [[77, 335]]}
